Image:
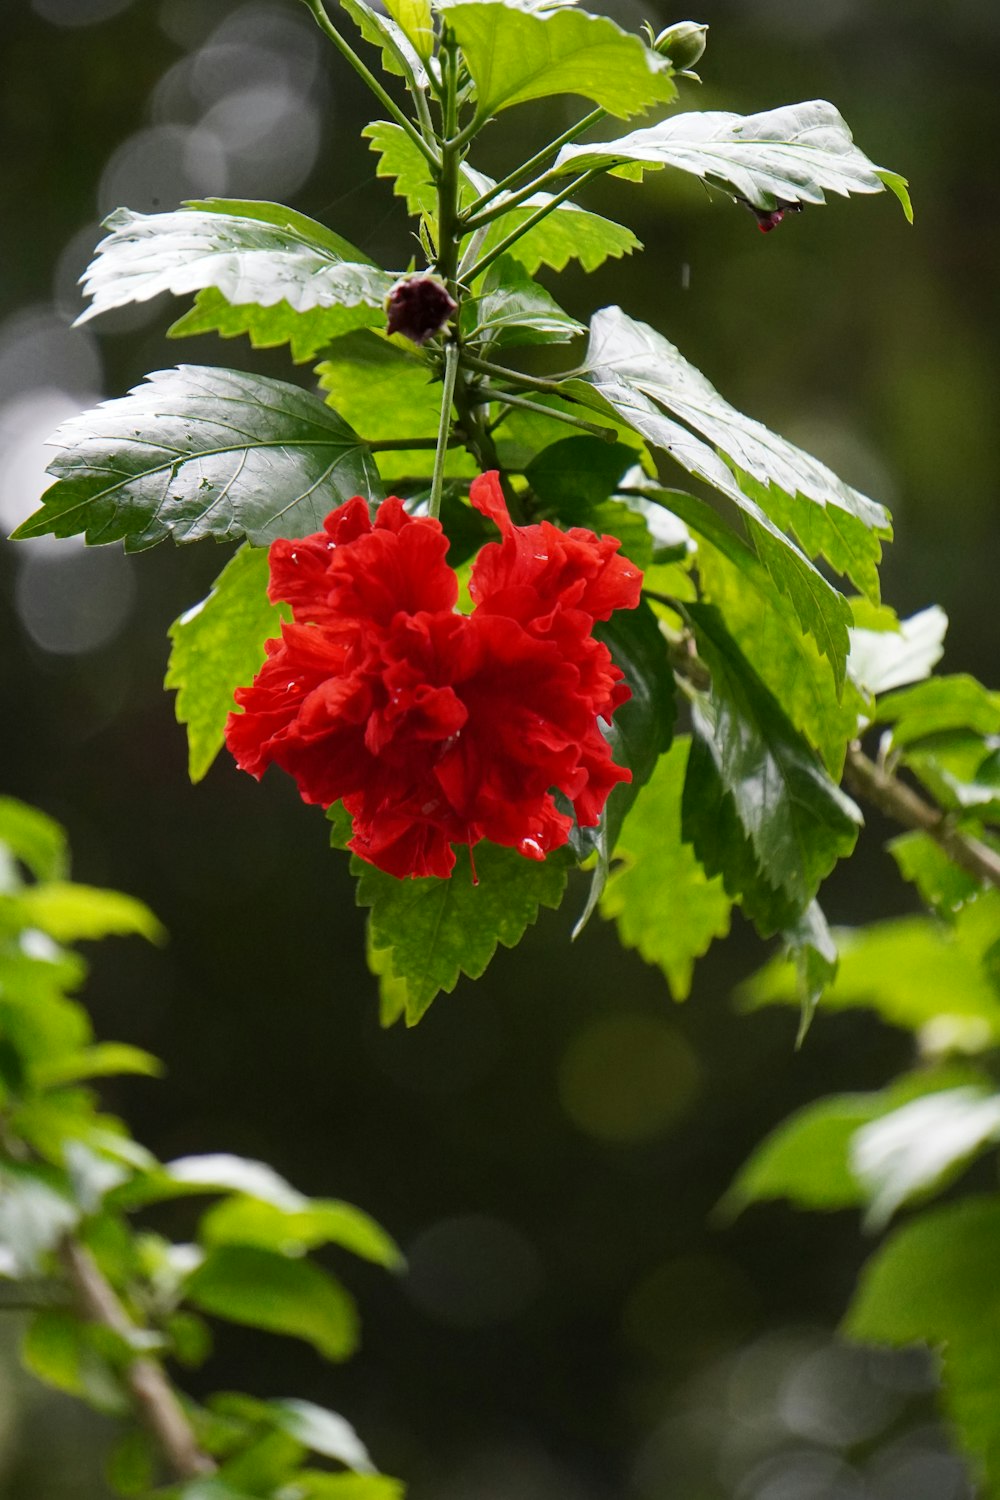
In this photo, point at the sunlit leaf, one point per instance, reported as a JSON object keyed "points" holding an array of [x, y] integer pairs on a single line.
{"points": [[939, 705], [882, 659], [34, 838], [306, 333], [271, 1291], [200, 452], [664, 904], [71, 913], [318, 1221], [217, 647]]}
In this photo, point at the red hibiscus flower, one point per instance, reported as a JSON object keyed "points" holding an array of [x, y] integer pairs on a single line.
{"points": [[436, 728]]}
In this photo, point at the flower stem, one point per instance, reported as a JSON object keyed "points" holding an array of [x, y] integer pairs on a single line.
{"points": [[444, 427], [318, 12], [542, 212]]}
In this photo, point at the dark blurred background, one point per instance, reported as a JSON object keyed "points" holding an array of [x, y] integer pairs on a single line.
{"points": [[548, 1145]]}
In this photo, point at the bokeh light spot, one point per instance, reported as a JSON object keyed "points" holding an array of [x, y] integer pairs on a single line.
{"points": [[473, 1271], [627, 1078]]}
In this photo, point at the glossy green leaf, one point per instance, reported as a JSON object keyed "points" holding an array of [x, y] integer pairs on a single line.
{"points": [[71, 913], [882, 659], [516, 52], [794, 154], [934, 1282], [761, 620], [306, 333], [793, 489], [513, 309], [937, 706], [639, 733], [664, 904], [921, 1146], [34, 838], [797, 819], [218, 646], [436, 930], [201, 452], [943, 886], [248, 258], [918, 973], [271, 1291]]}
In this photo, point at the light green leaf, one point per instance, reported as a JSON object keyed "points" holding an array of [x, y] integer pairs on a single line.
{"points": [[881, 659], [797, 819], [918, 1148], [401, 53], [806, 1158], [943, 886], [319, 1221], [934, 1282], [34, 838], [105, 1060], [312, 1484], [306, 333], [438, 929], [786, 155], [516, 52], [71, 913], [283, 258], [223, 1172], [414, 18], [762, 621], [131, 1464], [794, 490], [266, 1290], [937, 706], [59, 1349], [513, 309], [200, 452], [217, 647], [664, 904], [918, 973], [319, 1430]]}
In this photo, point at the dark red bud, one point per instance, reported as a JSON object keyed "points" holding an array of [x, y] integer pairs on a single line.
{"points": [[768, 219], [418, 307]]}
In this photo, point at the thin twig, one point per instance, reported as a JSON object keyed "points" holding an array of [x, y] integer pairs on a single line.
{"points": [[898, 801], [153, 1397]]}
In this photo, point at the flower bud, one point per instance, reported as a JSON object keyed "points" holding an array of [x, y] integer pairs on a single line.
{"points": [[683, 43], [418, 307]]}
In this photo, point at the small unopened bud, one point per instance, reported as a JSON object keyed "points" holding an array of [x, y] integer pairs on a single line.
{"points": [[683, 43], [418, 307]]}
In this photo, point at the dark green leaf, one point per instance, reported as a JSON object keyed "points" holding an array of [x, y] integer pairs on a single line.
{"points": [[797, 819], [934, 1282], [516, 52], [576, 474], [513, 309], [248, 258], [663, 902], [812, 949], [437, 929], [786, 155], [267, 1290], [217, 647], [202, 452]]}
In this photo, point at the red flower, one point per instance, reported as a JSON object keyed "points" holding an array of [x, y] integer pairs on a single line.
{"points": [[436, 728]]}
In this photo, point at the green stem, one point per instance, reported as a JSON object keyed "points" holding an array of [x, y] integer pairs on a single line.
{"points": [[542, 212], [318, 12], [516, 377], [521, 173], [608, 434], [444, 426], [471, 221]]}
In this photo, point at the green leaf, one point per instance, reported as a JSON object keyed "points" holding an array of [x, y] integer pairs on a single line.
{"points": [[437, 929], [812, 949], [320, 1221], [400, 53], [314, 1427], [35, 1213], [574, 475], [639, 733], [794, 490], [786, 155], [513, 309], [797, 819], [34, 838], [217, 647], [889, 658], [664, 904], [202, 452], [942, 885], [266, 1290], [920, 1147], [131, 1464], [61, 1351], [223, 1172], [312, 1484], [306, 333], [414, 19], [937, 706], [762, 621], [105, 1060], [249, 259], [934, 1282], [516, 52], [918, 973], [71, 913]]}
